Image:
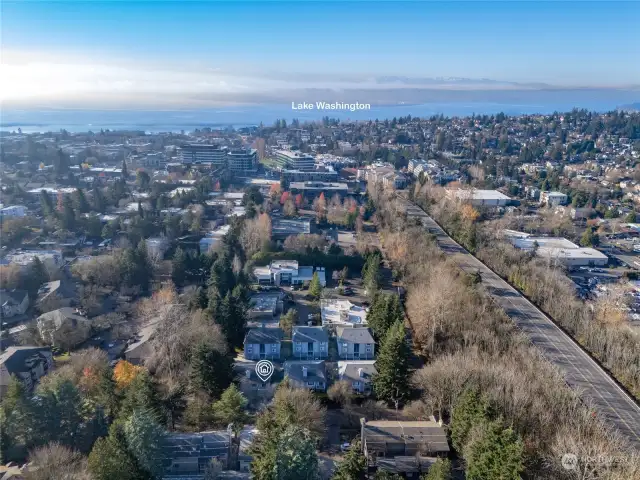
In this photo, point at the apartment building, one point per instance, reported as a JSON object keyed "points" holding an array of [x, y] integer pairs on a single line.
{"points": [[202, 154], [290, 160]]}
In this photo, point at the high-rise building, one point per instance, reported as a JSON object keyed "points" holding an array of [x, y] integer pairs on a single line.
{"points": [[200, 153], [287, 159], [242, 160]]}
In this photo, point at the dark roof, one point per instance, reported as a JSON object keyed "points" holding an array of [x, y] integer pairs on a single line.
{"points": [[422, 437], [316, 371], [203, 446], [14, 297], [354, 334], [287, 226], [264, 335], [310, 334], [400, 464], [14, 358]]}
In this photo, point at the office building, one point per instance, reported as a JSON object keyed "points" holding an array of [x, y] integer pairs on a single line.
{"points": [[242, 160], [289, 160], [202, 154], [309, 176]]}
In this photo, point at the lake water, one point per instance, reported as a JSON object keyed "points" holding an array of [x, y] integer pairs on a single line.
{"points": [[44, 120]]}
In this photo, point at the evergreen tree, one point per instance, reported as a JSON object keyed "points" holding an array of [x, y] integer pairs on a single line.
{"points": [[99, 203], [469, 410], [80, 202], [46, 203], [211, 371], [68, 218], [391, 383], [144, 440], [384, 312], [494, 453], [179, 267], [315, 288], [631, 217], [231, 315], [231, 408], [110, 458], [353, 466], [140, 394], [371, 274], [589, 238], [440, 470], [296, 458], [221, 279], [125, 170], [37, 274]]}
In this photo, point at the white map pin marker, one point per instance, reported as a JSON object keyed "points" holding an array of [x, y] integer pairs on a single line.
{"points": [[264, 370]]}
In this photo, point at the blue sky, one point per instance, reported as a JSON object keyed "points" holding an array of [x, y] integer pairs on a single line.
{"points": [[560, 43]]}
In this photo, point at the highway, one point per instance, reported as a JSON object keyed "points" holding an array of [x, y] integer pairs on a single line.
{"points": [[580, 371]]}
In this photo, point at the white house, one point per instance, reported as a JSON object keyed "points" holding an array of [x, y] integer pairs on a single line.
{"points": [[287, 272], [553, 199], [14, 211]]}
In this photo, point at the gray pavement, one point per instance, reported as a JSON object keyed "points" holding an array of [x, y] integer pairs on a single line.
{"points": [[580, 371]]}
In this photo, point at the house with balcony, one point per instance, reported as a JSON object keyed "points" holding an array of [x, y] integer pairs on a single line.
{"points": [[310, 343], [358, 373], [287, 272], [263, 343], [406, 448], [27, 364], [306, 374], [355, 343]]}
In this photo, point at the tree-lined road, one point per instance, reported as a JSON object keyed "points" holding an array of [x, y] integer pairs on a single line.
{"points": [[580, 371]]}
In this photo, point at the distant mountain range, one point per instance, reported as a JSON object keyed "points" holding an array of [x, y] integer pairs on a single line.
{"points": [[456, 81], [632, 107]]}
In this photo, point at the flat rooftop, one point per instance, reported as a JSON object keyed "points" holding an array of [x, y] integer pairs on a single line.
{"points": [[555, 247], [480, 194]]}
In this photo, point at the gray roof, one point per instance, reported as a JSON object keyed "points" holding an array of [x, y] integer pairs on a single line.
{"points": [[316, 371], [405, 464], [201, 446], [264, 335], [310, 334], [14, 358], [14, 297], [354, 334], [286, 226], [349, 370], [389, 437], [58, 316]]}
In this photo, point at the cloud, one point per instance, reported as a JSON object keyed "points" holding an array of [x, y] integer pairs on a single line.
{"points": [[39, 79]]}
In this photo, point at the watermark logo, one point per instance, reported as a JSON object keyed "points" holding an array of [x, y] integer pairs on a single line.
{"points": [[569, 461], [264, 370]]}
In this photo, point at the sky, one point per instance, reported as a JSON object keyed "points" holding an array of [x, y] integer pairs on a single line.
{"points": [[189, 53]]}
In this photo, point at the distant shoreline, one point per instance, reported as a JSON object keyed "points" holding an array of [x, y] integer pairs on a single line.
{"points": [[52, 120]]}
